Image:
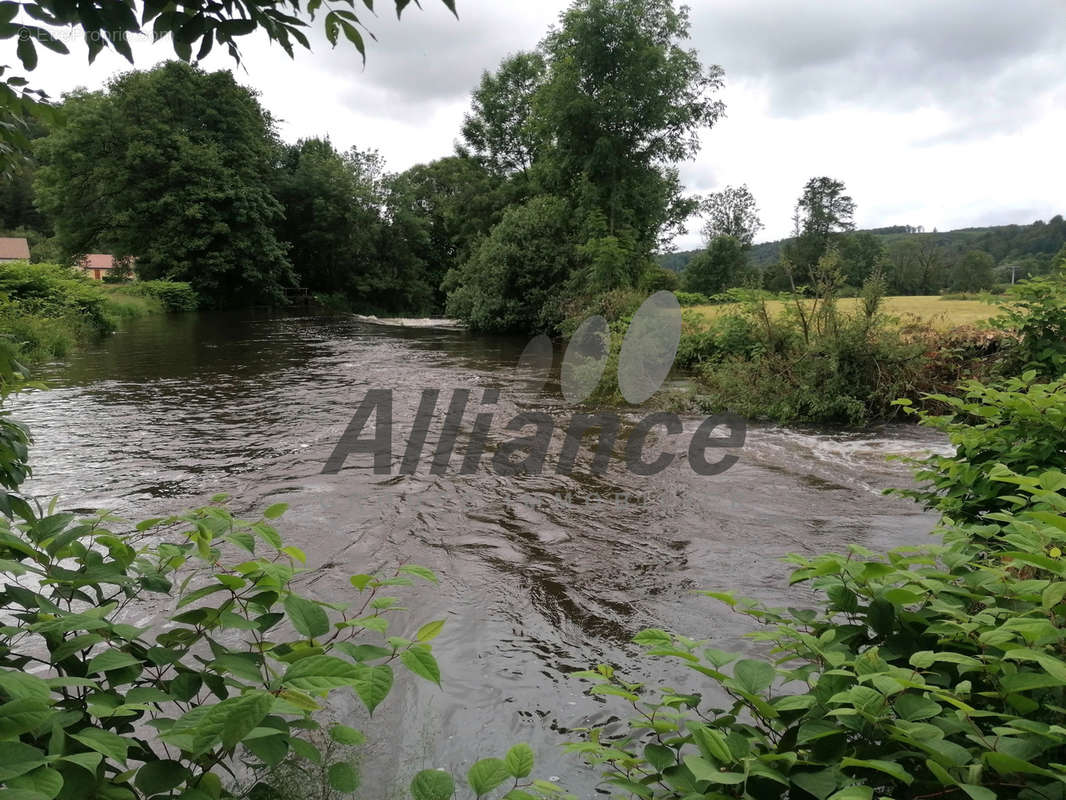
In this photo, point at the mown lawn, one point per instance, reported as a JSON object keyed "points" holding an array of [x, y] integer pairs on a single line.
{"points": [[933, 309]]}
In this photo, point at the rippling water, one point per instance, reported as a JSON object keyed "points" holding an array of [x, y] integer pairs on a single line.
{"points": [[541, 575]]}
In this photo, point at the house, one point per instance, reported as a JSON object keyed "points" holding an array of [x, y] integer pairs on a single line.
{"points": [[98, 265], [14, 249]]}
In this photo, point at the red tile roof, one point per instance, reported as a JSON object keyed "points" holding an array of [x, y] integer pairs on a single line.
{"points": [[98, 261], [14, 248]]}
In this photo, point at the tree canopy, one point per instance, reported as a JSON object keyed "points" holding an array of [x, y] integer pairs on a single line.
{"points": [[172, 167]]}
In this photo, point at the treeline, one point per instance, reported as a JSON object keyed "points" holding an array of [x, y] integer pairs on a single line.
{"points": [[562, 188], [911, 260]]}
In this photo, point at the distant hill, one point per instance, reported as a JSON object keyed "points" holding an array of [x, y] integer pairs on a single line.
{"points": [[1003, 242]]}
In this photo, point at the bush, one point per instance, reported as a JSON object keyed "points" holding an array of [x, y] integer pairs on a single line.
{"points": [[174, 296], [924, 672], [692, 298], [1019, 424], [46, 308], [243, 660], [1034, 313]]}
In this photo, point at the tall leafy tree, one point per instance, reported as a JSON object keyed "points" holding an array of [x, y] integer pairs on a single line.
{"points": [[860, 254], [973, 272], [718, 267], [438, 212], [822, 212], [624, 101], [499, 128], [732, 212], [171, 167], [332, 213]]}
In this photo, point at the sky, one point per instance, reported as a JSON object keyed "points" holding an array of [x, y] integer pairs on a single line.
{"points": [[940, 113]]}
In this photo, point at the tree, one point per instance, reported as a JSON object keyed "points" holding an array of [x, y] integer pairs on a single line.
{"points": [[332, 215], [171, 167], [438, 212], [720, 266], [192, 26], [822, 212], [732, 212], [973, 272], [622, 103], [860, 254], [498, 131], [515, 277]]}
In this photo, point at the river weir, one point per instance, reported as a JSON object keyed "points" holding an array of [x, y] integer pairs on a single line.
{"points": [[542, 574]]}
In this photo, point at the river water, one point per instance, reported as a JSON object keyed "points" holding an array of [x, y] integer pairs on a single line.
{"points": [[540, 574]]}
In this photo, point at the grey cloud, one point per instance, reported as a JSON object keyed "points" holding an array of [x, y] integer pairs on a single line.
{"points": [[430, 58], [988, 60]]}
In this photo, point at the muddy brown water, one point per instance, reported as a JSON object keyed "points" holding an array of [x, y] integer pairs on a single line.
{"points": [[540, 575]]}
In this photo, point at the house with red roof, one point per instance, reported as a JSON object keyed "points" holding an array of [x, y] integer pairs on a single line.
{"points": [[98, 265], [14, 249]]}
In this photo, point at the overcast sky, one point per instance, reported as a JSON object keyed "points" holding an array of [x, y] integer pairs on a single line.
{"points": [[942, 113]]}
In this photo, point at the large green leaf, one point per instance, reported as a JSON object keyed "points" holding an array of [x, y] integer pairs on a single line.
{"points": [[320, 673], [373, 684], [432, 784], [309, 618], [422, 663], [487, 774]]}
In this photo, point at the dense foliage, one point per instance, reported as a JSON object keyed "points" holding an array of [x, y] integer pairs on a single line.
{"points": [[172, 167], [924, 672]]}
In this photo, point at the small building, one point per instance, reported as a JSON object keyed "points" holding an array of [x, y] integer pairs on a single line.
{"points": [[14, 249], [98, 265]]}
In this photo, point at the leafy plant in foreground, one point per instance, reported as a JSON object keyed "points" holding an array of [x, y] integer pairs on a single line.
{"points": [[94, 706]]}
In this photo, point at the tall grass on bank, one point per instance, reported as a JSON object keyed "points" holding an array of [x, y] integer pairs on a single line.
{"points": [[47, 309]]}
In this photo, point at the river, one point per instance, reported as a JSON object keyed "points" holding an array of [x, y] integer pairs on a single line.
{"points": [[540, 574]]}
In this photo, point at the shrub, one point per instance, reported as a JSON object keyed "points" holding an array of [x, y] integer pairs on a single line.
{"points": [[1034, 313], [692, 298], [923, 672], [174, 295], [1019, 424], [244, 659]]}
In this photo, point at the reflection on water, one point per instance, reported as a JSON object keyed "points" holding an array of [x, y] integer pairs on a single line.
{"points": [[542, 574]]}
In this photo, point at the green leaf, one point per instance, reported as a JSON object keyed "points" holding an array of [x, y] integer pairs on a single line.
{"points": [[753, 676], [43, 782], [373, 684], [17, 759], [111, 659], [519, 760], [343, 778], [419, 572], [430, 630], [276, 510], [321, 673], [422, 663], [308, 618], [109, 744], [342, 734], [486, 775], [243, 714], [887, 767], [432, 784], [157, 777]]}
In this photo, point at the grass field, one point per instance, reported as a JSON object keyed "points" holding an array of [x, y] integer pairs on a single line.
{"points": [[932, 309]]}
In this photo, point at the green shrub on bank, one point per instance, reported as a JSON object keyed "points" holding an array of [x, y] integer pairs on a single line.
{"points": [[46, 308], [1019, 424], [92, 706], [173, 295], [924, 672], [692, 298]]}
